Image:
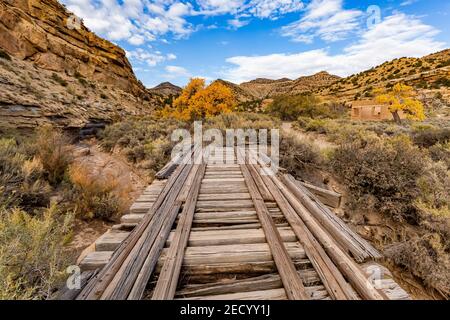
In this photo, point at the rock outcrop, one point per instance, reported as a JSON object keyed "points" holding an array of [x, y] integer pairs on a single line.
{"points": [[61, 73], [44, 32]]}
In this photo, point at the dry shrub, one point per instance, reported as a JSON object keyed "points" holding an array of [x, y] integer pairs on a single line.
{"points": [[242, 120], [384, 168], [32, 258], [21, 177], [55, 151], [429, 136], [135, 136], [441, 152], [426, 257], [297, 155], [290, 107], [93, 195], [157, 153]]}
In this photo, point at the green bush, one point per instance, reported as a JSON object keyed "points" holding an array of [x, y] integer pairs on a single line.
{"points": [[441, 152], [426, 257], [140, 140], [429, 136], [289, 108]]}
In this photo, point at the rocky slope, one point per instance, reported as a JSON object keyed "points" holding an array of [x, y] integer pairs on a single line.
{"points": [[430, 75], [60, 72], [266, 88]]}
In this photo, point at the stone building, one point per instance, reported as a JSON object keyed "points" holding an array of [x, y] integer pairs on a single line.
{"points": [[370, 110]]}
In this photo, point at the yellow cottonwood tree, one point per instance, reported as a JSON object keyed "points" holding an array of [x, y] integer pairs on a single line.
{"points": [[401, 98], [199, 102]]}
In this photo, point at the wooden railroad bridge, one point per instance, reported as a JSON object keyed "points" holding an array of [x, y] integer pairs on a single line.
{"points": [[232, 231]]}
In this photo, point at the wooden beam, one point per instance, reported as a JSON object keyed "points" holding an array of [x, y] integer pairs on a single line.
{"points": [[98, 284], [347, 238], [168, 278], [332, 279], [291, 281], [341, 259]]}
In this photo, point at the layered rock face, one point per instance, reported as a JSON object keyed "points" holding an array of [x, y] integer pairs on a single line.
{"points": [[44, 32], [61, 73]]}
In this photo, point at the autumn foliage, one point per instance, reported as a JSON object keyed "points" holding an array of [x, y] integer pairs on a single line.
{"points": [[198, 101], [401, 98]]}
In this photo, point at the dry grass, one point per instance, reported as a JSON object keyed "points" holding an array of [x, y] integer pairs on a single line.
{"points": [[55, 152], [93, 195], [32, 257]]}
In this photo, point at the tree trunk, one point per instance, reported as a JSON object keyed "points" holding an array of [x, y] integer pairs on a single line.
{"points": [[397, 118]]}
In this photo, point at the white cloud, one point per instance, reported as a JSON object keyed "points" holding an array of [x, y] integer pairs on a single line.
{"points": [[408, 2], [274, 8], [176, 72], [237, 23], [218, 7], [151, 58], [140, 21], [136, 40], [136, 21], [397, 36], [171, 56], [326, 19], [246, 8]]}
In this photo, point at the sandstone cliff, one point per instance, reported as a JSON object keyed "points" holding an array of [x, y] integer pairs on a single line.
{"points": [[44, 32], [62, 75]]}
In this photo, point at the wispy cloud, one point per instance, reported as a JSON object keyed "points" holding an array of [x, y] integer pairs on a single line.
{"points": [[325, 19], [176, 71], [397, 36], [149, 57], [135, 21]]}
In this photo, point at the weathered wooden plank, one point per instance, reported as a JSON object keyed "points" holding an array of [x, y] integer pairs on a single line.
{"points": [[95, 260], [229, 237], [335, 284], [249, 268], [131, 218], [141, 207], [96, 288], [222, 189], [346, 265], [347, 238], [258, 252], [265, 282], [227, 196], [291, 281], [168, 278], [110, 241], [327, 197]]}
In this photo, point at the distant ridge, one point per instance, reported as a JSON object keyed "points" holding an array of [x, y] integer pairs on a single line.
{"points": [[167, 89]]}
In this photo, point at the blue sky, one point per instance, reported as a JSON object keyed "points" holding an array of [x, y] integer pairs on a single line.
{"points": [[239, 40]]}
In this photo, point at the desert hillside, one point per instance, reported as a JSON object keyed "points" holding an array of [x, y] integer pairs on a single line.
{"points": [[430, 75]]}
